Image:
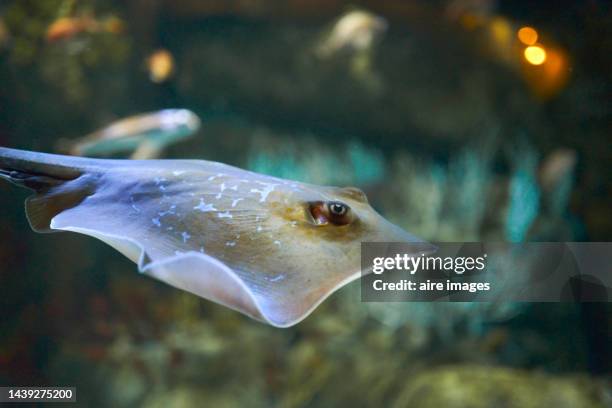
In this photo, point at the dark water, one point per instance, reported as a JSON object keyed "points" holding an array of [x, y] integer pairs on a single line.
{"points": [[441, 120]]}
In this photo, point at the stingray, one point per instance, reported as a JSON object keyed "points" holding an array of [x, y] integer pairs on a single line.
{"points": [[145, 135], [270, 248]]}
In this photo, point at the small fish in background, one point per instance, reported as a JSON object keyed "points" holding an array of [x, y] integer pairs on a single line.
{"points": [[65, 28], [145, 136], [556, 180], [354, 35], [354, 31], [270, 248], [555, 167], [68, 27], [160, 65]]}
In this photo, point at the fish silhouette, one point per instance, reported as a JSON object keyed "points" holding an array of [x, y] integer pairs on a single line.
{"points": [[145, 135]]}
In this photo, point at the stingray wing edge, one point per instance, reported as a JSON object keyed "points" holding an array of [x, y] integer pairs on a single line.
{"points": [[201, 275]]}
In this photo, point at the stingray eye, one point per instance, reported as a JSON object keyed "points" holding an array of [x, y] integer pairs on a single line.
{"points": [[337, 209], [339, 213], [332, 212]]}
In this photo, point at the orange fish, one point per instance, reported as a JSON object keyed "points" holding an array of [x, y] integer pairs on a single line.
{"points": [[67, 27], [160, 65]]}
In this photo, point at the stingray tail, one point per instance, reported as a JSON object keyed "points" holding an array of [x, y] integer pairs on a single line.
{"points": [[59, 182]]}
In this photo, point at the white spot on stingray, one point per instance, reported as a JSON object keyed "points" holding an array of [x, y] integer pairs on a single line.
{"points": [[218, 196], [236, 201], [235, 188], [202, 249], [222, 187], [156, 222], [277, 242], [277, 278], [159, 180], [178, 172], [170, 228], [133, 204], [259, 228], [216, 176], [230, 243], [265, 191], [169, 211], [185, 236], [293, 223], [225, 214], [204, 207]]}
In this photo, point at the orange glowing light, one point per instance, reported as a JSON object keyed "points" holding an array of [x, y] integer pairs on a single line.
{"points": [[551, 77], [535, 55], [527, 35]]}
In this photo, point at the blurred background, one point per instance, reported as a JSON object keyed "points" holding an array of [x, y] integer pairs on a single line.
{"points": [[463, 120]]}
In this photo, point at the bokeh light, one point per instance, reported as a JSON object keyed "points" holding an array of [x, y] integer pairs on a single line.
{"points": [[535, 55], [527, 35], [501, 31]]}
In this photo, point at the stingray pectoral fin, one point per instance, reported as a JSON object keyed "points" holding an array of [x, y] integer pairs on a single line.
{"points": [[289, 305], [128, 247], [59, 182], [209, 278], [212, 279], [43, 206], [193, 272]]}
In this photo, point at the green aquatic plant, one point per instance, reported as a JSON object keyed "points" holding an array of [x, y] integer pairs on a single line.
{"points": [[524, 195], [356, 164]]}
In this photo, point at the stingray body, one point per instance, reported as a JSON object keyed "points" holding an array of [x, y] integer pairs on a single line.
{"points": [[270, 248], [146, 135]]}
